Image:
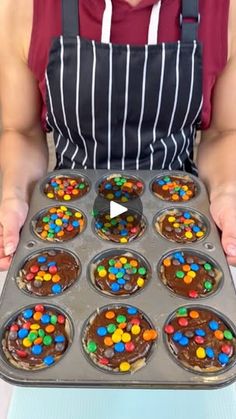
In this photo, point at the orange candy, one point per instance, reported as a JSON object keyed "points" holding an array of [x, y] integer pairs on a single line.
{"points": [[186, 268], [185, 197], [112, 277], [50, 328], [61, 233], [110, 315], [219, 334], [52, 210], [134, 263], [149, 335], [108, 341], [75, 192], [167, 262], [38, 341], [37, 315], [122, 325], [188, 279], [175, 197], [194, 314], [44, 234], [118, 264], [56, 278]]}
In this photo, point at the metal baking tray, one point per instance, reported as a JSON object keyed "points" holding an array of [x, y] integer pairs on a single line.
{"points": [[81, 299]]}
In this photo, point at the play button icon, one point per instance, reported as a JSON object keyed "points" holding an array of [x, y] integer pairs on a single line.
{"points": [[116, 209]]}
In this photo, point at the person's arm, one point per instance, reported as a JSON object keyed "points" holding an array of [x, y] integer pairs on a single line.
{"points": [[217, 151], [23, 148]]}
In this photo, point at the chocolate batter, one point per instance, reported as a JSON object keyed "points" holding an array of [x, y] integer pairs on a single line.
{"points": [[37, 348], [120, 187], [124, 274], [174, 188], [66, 188], [190, 275], [61, 266], [199, 336], [125, 342]]}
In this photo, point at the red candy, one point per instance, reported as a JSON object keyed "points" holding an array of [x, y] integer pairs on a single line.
{"points": [[193, 294], [53, 269], [34, 269], [14, 328], [70, 227], [61, 319], [26, 325], [226, 349], [104, 361], [129, 346], [135, 321], [199, 339], [39, 307], [30, 277], [169, 329], [183, 321], [21, 353]]}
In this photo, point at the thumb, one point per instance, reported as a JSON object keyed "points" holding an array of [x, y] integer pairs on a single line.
{"points": [[11, 229], [229, 236]]}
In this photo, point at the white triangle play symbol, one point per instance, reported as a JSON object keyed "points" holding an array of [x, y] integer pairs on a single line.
{"points": [[116, 209]]}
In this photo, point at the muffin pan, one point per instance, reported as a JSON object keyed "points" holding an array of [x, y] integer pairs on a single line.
{"points": [[158, 303]]}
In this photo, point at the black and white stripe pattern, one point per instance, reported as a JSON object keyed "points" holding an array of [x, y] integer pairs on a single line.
{"points": [[124, 107]]}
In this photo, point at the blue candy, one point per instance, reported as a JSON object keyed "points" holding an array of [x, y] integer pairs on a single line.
{"points": [[102, 331], [200, 332], [132, 310], [56, 289], [194, 267], [124, 232], [54, 184], [75, 223], [60, 339], [161, 182], [113, 270], [119, 347], [49, 360], [182, 193], [45, 319], [196, 229], [27, 314], [213, 325], [54, 217], [177, 336], [115, 287], [37, 349], [23, 333], [52, 225], [118, 194], [42, 259], [223, 358], [57, 229], [52, 264], [121, 281], [187, 215], [108, 186], [98, 225], [210, 353], [184, 341]]}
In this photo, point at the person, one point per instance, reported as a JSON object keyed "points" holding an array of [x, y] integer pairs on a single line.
{"points": [[122, 90]]}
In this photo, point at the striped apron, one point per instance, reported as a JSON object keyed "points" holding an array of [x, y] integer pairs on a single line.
{"points": [[123, 106]]}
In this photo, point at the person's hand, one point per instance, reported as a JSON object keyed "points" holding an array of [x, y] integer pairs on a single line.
{"points": [[223, 211], [13, 213]]}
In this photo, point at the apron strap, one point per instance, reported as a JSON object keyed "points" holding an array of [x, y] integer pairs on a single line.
{"points": [[189, 20], [154, 24], [70, 17], [106, 22]]}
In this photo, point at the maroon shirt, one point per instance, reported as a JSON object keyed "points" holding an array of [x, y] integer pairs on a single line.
{"points": [[130, 26]]}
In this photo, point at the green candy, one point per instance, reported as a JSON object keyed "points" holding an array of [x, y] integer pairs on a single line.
{"points": [[50, 235], [46, 219], [120, 318], [119, 275], [182, 311], [91, 346], [32, 336], [142, 271], [208, 267], [111, 262], [51, 231], [114, 222], [81, 186], [208, 285], [47, 340], [119, 183], [123, 180], [69, 213], [41, 333], [53, 319], [177, 188], [100, 268], [228, 335], [94, 213], [180, 274], [134, 270], [127, 266], [166, 179], [111, 328]]}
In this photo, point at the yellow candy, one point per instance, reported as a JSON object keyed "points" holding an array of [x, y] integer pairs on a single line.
{"points": [[50, 195], [102, 273], [125, 366], [123, 260], [107, 225], [119, 332], [107, 217], [130, 219], [176, 225], [126, 337], [34, 326], [27, 343], [199, 234], [67, 197], [58, 222], [124, 199], [171, 219], [185, 188], [192, 274], [188, 234], [140, 282], [110, 196], [78, 214], [116, 338], [39, 278], [201, 353], [63, 208], [135, 329], [47, 277], [123, 240]]}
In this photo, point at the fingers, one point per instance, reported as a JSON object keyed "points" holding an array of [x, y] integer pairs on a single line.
{"points": [[10, 236], [229, 239], [5, 263]]}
